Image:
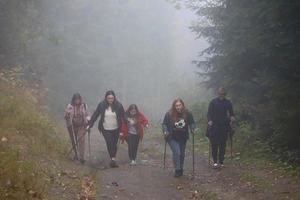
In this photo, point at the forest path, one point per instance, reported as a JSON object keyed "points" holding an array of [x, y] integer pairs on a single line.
{"points": [[148, 179]]}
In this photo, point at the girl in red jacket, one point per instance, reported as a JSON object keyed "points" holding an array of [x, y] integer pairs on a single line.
{"points": [[133, 130]]}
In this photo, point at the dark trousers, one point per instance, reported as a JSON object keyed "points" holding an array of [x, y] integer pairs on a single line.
{"points": [[111, 138], [218, 151], [133, 143], [218, 138]]}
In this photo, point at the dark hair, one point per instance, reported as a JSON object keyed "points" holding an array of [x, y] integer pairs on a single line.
{"points": [[222, 90], [75, 96], [110, 92], [132, 107], [174, 113]]}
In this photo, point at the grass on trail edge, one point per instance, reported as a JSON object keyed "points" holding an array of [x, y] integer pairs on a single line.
{"points": [[27, 138]]}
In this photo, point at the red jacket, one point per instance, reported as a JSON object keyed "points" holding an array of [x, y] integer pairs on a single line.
{"points": [[142, 121]]}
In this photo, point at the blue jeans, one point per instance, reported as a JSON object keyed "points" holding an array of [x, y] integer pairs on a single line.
{"points": [[178, 150]]}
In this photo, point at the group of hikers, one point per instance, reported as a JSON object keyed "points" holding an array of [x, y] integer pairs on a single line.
{"points": [[116, 125]]}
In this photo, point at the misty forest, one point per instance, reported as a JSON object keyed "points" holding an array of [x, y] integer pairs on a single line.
{"points": [[149, 99]]}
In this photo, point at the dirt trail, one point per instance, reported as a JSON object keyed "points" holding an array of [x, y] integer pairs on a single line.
{"points": [[148, 180]]}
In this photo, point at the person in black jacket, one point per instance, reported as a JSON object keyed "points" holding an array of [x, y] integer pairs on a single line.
{"points": [[111, 113], [220, 115], [177, 122]]}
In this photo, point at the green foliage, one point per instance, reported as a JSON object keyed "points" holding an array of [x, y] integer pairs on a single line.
{"points": [[254, 52], [249, 148], [25, 135]]}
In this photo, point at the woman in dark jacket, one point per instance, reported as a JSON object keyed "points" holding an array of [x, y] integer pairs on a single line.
{"points": [[177, 122], [111, 113]]}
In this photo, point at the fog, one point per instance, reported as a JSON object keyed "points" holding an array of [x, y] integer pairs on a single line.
{"points": [[143, 50]]}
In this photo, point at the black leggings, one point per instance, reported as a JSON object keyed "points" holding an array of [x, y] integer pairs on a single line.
{"points": [[218, 141], [218, 148], [111, 138], [133, 143]]}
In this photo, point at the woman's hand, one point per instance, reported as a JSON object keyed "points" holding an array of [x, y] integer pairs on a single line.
{"points": [[88, 118], [121, 137]]}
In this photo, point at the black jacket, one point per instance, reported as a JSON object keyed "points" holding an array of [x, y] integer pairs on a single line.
{"points": [[169, 127], [117, 107], [220, 111]]}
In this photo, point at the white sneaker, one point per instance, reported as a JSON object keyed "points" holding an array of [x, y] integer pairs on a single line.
{"points": [[215, 165], [133, 162]]}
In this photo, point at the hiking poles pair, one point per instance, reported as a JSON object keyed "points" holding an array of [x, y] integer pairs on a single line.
{"points": [[73, 140], [75, 149], [193, 152]]}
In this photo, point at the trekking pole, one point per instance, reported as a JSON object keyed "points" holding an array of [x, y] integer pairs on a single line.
{"points": [[165, 149], [209, 152], [208, 135], [231, 132], [76, 142], [193, 140], [231, 156], [89, 142]]}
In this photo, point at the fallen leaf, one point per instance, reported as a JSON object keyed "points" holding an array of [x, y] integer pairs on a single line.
{"points": [[179, 187]]}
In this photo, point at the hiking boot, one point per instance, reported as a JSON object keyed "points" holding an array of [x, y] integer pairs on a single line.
{"points": [[177, 173], [113, 164], [82, 161], [181, 172]]}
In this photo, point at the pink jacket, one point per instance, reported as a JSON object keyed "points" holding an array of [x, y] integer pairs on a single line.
{"points": [[69, 113]]}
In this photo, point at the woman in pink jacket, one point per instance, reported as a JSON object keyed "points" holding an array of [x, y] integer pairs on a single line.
{"points": [[77, 118]]}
